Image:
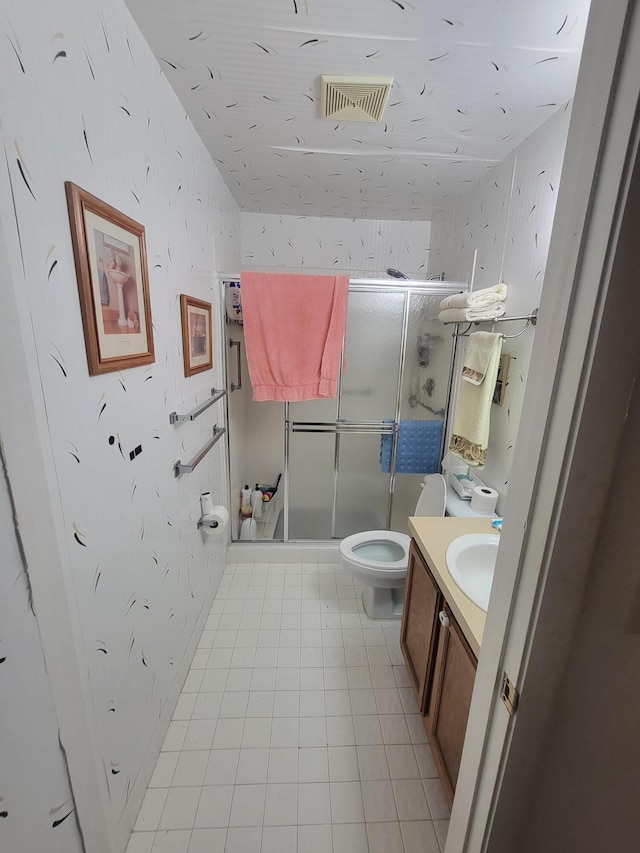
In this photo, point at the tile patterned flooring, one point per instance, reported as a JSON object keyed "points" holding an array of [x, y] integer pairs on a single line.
{"points": [[297, 728]]}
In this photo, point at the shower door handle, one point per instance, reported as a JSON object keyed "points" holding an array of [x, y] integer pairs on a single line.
{"points": [[233, 385]]}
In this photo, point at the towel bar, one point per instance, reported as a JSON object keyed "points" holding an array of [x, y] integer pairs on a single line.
{"points": [[216, 395], [531, 320], [180, 468]]}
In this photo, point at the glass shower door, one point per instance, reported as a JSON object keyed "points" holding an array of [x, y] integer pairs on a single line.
{"points": [[336, 485]]}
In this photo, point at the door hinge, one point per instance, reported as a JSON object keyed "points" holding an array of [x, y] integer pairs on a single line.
{"points": [[509, 694]]}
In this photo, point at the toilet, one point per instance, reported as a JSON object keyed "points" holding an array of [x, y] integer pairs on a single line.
{"points": [[378, 558]]}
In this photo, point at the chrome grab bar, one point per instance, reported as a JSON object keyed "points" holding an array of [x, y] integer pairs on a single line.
{"points": [[180, 468], [216, 395], [233, 385], [376, 427]]}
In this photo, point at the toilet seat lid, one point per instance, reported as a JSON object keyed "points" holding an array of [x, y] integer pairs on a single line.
{"points": [[433, 497]]}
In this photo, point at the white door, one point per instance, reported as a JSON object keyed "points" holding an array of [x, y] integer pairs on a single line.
{"points": [[565, 454]]}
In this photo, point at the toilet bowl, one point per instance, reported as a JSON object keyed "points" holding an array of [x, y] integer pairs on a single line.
{"points": [[378, 558]]}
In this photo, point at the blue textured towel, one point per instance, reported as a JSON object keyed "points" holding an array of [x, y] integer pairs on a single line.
{"points": [[419, 446]]}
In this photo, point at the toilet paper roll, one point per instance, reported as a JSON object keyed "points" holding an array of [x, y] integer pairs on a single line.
{"points": [[206, 503], [484, 500], [218, 514]]}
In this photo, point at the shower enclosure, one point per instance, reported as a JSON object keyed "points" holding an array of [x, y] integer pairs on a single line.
{"points": [[396, 366]]}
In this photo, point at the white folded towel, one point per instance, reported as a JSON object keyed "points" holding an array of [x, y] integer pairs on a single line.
{"points": [[472, 315], [476, 298]]}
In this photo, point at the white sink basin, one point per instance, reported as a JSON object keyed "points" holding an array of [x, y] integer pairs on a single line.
{"points": [[471, 560]]}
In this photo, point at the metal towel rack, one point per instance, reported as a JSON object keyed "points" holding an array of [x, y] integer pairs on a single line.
{"points": [[237, 386], [216, 395], [531, 320], [179, 468]]}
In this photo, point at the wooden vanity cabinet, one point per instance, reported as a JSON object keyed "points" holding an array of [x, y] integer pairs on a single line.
{"points": [[441, 665], [454, 675], [418, 633]]}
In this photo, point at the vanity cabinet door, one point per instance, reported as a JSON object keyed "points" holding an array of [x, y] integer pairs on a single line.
{"points": [[422, 601], [455, 672]]}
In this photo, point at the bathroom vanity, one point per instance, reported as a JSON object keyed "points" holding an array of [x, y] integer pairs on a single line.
{"points": [[440, 638]]}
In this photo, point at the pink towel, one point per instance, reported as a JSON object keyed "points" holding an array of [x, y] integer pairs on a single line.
{"points": [[294, 326]]}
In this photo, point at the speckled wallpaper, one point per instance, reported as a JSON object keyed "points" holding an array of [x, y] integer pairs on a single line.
{"points": [[364, 248], [32, 816], [83, 99], [507, 217]]}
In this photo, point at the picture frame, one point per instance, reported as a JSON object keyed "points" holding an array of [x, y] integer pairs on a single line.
{"points": [[502, 378], [197, 344], [113, 283]]}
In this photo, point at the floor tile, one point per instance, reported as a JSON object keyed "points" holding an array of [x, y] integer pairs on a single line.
{"points": [[175, 735], [228, 734], [283, 766], [172, 841], [222, 766], [200, 734], [208, 841], [141, 842], [343, 764], [315, 839], [385, 837], [313, 764], [243, 839], [424, 758], [379, 802], [438, 805], [346, 802], [214, 806], [411, 801], [350, 838], [191, 768], [372, 762], [419, 837], [402, 762], [163, 773], [151, 809], [180, 808], [314, 803], [297, 728], [279, 839], [281, 805], [252, 766]]}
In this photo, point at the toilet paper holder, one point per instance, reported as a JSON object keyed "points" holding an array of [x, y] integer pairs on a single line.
{"points": [[207, 522]]}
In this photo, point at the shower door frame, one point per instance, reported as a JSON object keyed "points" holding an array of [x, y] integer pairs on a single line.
{"points": [[349, 427]]}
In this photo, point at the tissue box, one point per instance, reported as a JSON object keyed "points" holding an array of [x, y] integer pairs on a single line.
{"points": [[464, 484]]}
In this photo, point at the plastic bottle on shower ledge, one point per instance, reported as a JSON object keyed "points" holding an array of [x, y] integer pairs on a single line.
{"points": [[246, 495], [256, 502]]}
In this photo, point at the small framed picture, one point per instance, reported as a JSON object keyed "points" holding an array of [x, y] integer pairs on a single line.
{"points": [[113, 283], [501, 380], [197, 349]]}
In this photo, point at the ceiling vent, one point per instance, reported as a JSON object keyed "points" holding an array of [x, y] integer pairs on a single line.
{"points": [[355, 98]]}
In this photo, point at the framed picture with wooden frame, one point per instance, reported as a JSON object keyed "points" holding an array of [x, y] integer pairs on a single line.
{"points": [[197, 350], [113, 283]]}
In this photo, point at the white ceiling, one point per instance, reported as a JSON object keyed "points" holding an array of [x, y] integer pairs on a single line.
{"points": [[473, 78]]}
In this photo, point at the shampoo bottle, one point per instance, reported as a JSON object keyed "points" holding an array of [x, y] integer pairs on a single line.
{"points": [[256, 502], [246, 495]]}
